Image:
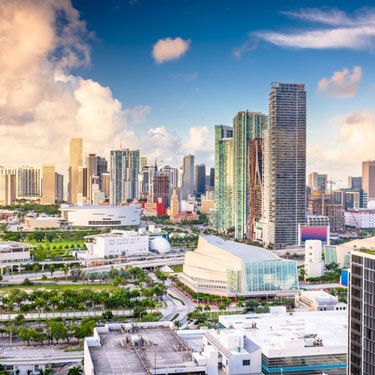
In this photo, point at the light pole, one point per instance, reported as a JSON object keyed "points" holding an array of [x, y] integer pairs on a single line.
{"points": [[155, 346]]}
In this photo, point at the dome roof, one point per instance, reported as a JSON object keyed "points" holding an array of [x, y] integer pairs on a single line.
{"points": [[160, 245]]}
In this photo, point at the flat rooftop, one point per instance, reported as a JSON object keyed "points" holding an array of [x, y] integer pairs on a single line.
{"points": [[241, 250], [284, 334], [363, 243], [117, 355]]}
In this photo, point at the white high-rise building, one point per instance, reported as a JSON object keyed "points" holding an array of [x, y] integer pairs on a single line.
{"points": [[314, 263]]}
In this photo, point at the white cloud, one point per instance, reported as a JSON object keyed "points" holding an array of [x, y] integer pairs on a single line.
{"points": [[339, 30], [354, 143], [169, 49], [138, 114], [343, 83]]}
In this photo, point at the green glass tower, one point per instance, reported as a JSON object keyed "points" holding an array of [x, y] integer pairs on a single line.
{"points": [[246, 127], [224, 177]]}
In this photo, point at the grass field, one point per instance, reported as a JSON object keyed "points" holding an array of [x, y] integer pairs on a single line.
{"points": [[59, 287], [177, 268], [51, 250]]}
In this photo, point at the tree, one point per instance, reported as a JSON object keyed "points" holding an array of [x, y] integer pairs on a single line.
{"points": [[57, 331], [51, 269], [36, 269], [76, 370], [66, 271], [25, 334]]}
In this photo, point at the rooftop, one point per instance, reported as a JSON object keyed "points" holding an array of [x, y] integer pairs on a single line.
{"points": [[240, 250], [133, 351], [281, 334], [363, 243]]}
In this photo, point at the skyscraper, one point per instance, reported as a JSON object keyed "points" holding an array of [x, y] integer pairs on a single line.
{"points": [[160, 188], [28, 182], [255, 184], [174, 205], [75, 161], [317, 181], [91, 173], [188, 176], [224, 177], [284, 182], [59, 185], [7, 186], [368, 179], [172, 173], [211, 179], [48, 184], [200, 179], [246, 126], [361, 358], [101, 168], [124, 172]]}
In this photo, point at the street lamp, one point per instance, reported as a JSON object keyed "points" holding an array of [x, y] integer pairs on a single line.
{"points": [[155, 346]]}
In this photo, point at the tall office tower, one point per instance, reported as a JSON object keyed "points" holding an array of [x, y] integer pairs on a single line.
{"points": [[361, 358], [255, 184], [8, 191], [82, 185], [142, 162], [124, 170], [174, 204], [59, 185], [188, 176], [200, 179], [354, 182], [91, 174], [224, 177], [180, 176], [317, 181], [212, 179], [48, 184], [28, 182], [284, 181], [105, 184], [101, 168], [246, 126], [75, 161], [172, 173], [368, 179], [160, 188]]}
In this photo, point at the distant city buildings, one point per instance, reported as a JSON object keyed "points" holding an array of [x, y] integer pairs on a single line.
{"points": [[48, 184], [8, 192], [200, 179], [368, 179], [76, 185], [187, 176], [317, 181], [28, 182]]}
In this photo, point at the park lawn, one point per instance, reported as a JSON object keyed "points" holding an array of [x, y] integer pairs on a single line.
{"points": [[177, 268], [51, 250], [59, 287]]}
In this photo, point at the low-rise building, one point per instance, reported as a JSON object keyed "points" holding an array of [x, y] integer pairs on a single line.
{"points": [[101, 216], [318, 300], [360, 218], [43, 222], [230, 268], [13, 252]]}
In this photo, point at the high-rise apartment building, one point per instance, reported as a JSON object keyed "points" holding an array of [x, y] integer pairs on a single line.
{"points": [[28, 182], [224, 177], [246, 126], [172, 173], [48, 184], [200, 179], [91, 174], [368, 179], [105, 184], [354, 182], [124, 172], [7, 186], [255, 185], [174, 205], [284, 181], [361, 358], [317, 181], [75, 186], [59, 184], [101, 168], [187, 176], [142, 162], [160, 188], [211, 180]]}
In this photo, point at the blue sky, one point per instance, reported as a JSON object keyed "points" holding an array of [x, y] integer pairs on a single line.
{"points": [[208, 84], [158, 75]]}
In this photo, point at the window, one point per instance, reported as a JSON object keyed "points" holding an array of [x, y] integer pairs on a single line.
{"points": [[246, 362]]}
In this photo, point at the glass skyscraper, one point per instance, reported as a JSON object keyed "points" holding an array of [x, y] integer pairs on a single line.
{"points": [[246, 126], [284, 182], [224, 177]]}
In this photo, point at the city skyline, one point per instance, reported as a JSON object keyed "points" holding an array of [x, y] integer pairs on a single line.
{"points": [[83, 93]]}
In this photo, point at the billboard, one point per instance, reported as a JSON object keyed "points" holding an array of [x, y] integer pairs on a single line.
{"points": [[313, 233]]}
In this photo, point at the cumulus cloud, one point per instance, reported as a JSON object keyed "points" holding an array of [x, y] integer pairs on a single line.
{"points": [[354, 143], [343, 83], [169, 49], [333, 29]]}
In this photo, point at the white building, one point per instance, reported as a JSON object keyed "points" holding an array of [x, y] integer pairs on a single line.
{"points": [[12, 253], [230, 268], [314, 263], [361, 218], [296, 343], [42, 222], [318, 300], [98, 216], [117, 243]]}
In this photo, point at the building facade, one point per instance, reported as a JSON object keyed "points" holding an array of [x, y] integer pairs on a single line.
{"points": [[200, 179], [75, 186], [284, 182], [28, 182], [48, 185], [8, 190], [224, 177], [368, 179], [362, 313], [187, 176]]}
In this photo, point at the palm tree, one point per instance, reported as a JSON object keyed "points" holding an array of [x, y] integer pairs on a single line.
{"points": [[76, 370], [66, 271]]}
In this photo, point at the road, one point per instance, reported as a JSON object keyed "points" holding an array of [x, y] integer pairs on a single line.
{"points": [[156, 262]]}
